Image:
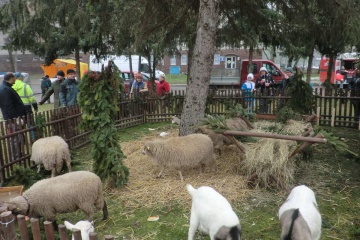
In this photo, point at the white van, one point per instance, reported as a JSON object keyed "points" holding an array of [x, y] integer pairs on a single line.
{"points": [[123, 63]]}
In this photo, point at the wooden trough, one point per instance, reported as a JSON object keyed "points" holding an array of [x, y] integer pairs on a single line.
{"points": [[7, 193]]}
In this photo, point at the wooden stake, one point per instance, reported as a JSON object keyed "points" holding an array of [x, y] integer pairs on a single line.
{"points": [[318, 115], [303, 146], [333, 117]]}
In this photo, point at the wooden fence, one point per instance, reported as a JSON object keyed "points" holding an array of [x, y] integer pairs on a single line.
{"points": [[335, 107]]}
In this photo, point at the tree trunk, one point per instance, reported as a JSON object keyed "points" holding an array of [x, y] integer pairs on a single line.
{"points": [[130, 66], [330, 68], [250, 65], [77, 60], [309, 67], [11, 61], [202, 61]]}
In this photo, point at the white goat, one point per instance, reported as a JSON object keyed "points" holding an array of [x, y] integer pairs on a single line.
{"points": [[85, 227], [299, 215], [212, 214]]}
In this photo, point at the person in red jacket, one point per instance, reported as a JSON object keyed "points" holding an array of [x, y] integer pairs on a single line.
{"points": [[162, 90]]}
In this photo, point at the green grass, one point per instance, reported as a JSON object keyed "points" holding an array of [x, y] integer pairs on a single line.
{"points": [[334, 176], [176, 79]]}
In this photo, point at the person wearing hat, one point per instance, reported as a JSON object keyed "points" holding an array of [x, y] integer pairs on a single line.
{"points": [[69, 89], [54, 89], [286, 81], [248, 88], [25, 92], [45, 85], [265, 83]]}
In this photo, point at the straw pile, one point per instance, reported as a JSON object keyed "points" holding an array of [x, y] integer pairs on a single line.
{"points": [[144, 189]]}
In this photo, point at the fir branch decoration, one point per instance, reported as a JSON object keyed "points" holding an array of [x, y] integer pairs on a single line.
{"points": [[98, 98], [40, 124]]}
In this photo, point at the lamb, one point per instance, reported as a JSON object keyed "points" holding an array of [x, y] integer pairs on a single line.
{"points": [[219, 140], [299, 215], [52, 152], [176, 120], [62, 194], [212, 214], [181, 152], [85, 228]]}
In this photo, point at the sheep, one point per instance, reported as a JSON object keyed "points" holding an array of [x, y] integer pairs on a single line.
{"points": [[212, 214], [62, 194], [219, 140], [175, 119], [181, 152], [85, 228], [299, 215], [51, 152]]}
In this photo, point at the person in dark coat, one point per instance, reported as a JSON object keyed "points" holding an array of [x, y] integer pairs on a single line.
{"points": [[45, 85], [12, 107]]}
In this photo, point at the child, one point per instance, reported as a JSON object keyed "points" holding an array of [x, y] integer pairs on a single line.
{"points": [[248, 89]]}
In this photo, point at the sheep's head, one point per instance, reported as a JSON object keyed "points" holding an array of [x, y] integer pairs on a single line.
{"points": [[147, 149], [17, 205]]}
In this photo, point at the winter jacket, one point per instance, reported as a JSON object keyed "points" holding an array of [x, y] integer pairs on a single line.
{"points": [[68, 92], [265, 90], [139, 87], [54, 89], [162, 88], [26, 95], [10, 102], [45, 83]]}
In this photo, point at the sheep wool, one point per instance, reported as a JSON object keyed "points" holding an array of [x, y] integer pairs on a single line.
{"points": [[178, 153], [299, 215], [52, 152], [62, 194], [219, 140], [212, 214]]}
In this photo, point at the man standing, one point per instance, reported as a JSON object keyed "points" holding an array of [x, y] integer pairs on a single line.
{"points": [[69, 89], [25, 92], [45, 85], [11, 107], [162, 90], [287, 80], [55, 88]]}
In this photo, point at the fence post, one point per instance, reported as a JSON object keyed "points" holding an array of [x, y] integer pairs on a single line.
{"points": [[333, 117], [63, 232], [8, 225], [318, 116], [49, 230], [24, 234], [93, 236], [76, 233], [35, 228], [2, 209]]}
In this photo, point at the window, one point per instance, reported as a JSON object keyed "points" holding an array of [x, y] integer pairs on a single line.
{"points": [[254, 68], [173, 60], [183, 59], [216, 59], [272, 69], [230, 62]]}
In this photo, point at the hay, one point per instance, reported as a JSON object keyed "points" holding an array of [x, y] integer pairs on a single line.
{"points": [[144, 189], [296, 127]]}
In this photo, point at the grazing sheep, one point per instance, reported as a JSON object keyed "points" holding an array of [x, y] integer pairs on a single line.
{"points": [[52, 152], [181, 152], [85, 228], [175, 119], [299, 215], [219, 140], [212, 214], [62, 194]]}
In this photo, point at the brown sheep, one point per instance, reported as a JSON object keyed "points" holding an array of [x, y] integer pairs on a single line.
{"points": [[218, 139]]}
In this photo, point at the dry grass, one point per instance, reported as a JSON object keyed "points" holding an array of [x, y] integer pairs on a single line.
{"points": [[144, 189]]}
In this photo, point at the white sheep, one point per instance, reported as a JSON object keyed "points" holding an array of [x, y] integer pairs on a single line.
{"points": [[299, 215], [175, 119], [218, 139], [193, 150], [85, 228], [52, 152], [212, 214], [62, 194]]}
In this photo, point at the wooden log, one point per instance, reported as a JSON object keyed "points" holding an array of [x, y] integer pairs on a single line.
{"points": [[35, 228], [8, 225], [23, 227], [63, 232], [49, 230], [303, 146], [77, 234], [2, 209], [312, 118], [236, 142], [277, 136], [248, 123], [309, 132], [93, 236]]}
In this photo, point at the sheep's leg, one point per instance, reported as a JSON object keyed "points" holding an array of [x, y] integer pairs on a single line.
{"points": [[68, 164], [53, 172], [181, 177], [88, 210], [38, 167], [194, 224], [160, 173]]}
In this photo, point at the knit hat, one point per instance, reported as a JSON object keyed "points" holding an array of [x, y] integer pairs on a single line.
{"points": [[18, 75], [70, 71], [263, 69], [289, 69], [250, 76], [60, 73]]}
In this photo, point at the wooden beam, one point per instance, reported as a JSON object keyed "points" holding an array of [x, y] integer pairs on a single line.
{"points": [[277, 136]]}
